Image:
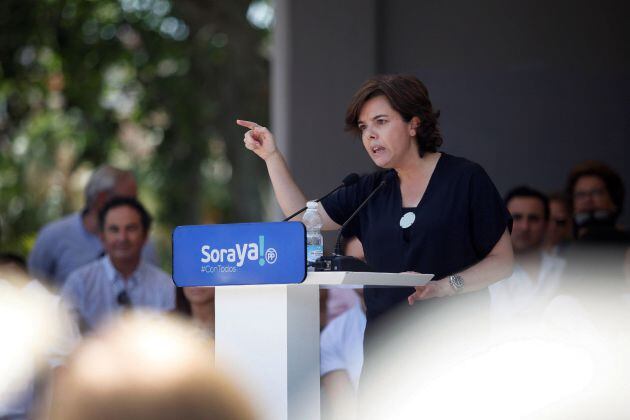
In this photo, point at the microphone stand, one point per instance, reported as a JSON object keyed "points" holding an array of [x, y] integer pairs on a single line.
{"points": [[348, 180], [339, 262], [317, 201]]}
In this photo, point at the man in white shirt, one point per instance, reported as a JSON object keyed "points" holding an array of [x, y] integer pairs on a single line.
{"points": [[122, 279], [341, 353], [536, 277]]}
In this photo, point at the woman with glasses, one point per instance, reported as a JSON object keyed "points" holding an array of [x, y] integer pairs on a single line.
{"points": [[598, 260], [597, 192]]}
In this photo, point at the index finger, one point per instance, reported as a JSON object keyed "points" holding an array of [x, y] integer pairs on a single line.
{"points": [[247, 124]]}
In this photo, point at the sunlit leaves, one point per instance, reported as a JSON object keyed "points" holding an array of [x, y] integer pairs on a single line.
{"points": [[152, 85]]}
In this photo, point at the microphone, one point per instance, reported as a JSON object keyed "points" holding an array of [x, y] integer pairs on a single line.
{"points": [[350, 179], [339, 262]]}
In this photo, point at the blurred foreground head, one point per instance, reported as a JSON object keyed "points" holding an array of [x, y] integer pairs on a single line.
{"points": [[13, 267], [106, 183], [32, 327], [145, 367]]}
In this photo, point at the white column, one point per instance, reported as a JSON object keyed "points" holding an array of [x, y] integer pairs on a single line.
{"points": [[268, 338]]}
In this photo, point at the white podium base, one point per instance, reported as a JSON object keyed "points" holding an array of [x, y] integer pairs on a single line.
{"points": [[268, 337]]}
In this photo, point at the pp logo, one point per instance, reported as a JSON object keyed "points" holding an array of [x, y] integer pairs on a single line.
{"points": [[271, 255]]}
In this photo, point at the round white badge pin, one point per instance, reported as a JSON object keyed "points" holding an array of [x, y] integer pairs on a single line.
{"points": [[407, 219]]}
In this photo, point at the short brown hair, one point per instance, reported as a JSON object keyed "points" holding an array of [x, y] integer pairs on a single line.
{"points": [[145, 217], [614, 184], [409, 97]]}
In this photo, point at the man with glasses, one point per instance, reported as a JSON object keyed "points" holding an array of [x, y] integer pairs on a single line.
{"points": [[599, 260], [536, 278], [121, 279], [597, 192]]}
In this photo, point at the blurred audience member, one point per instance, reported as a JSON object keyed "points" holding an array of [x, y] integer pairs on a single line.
{"points": [[560, 226], [341, 361], [71, 242], [198, 304], [122, 279], [536, 277], [592, 303], [597, 192], [341, 299], [598, 263], [17, 393], [146, 367], [37, 334], [341, 351], [13, 265]]}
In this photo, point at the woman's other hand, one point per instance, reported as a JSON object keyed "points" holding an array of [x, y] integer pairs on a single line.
{"points": [[258, 139], [433, 289]]}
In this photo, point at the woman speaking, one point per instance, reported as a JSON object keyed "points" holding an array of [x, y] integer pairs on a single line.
{"points": [[436, 213]]}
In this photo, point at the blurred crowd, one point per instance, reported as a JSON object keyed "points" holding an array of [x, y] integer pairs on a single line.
{"points": [[105, 320], [92, 267]]}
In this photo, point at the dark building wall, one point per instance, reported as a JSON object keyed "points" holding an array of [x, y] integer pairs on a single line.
{"points": [[323, 51], [527, 89]]}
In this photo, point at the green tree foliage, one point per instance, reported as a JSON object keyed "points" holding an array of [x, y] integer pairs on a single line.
{"points": [[152, 85]]}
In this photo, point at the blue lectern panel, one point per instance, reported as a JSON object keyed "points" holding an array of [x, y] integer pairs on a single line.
{"points": [[241, 253]]}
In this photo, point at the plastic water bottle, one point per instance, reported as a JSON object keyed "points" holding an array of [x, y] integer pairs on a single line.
{"points": [[314, 239]]}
